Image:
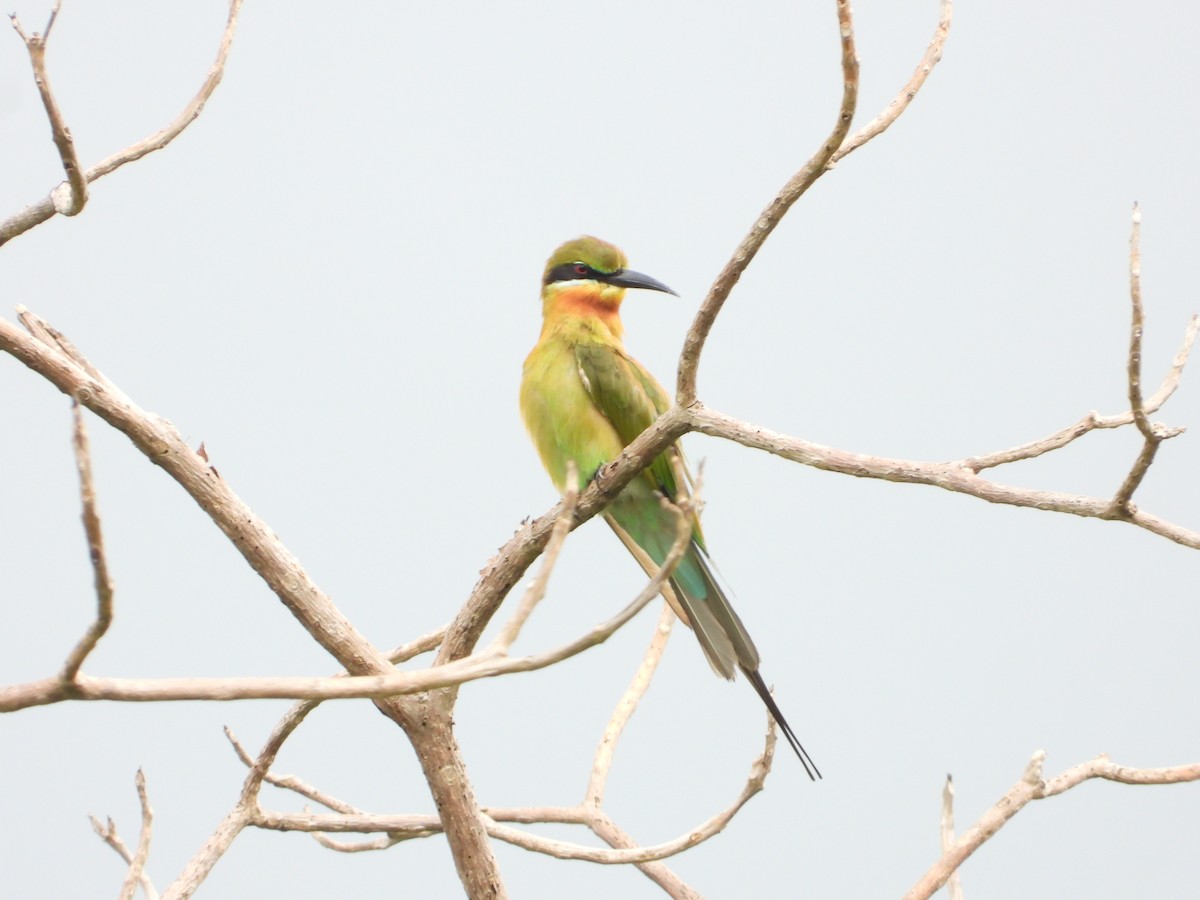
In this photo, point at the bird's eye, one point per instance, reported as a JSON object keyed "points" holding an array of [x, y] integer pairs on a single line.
{"points": [[581, 269]]}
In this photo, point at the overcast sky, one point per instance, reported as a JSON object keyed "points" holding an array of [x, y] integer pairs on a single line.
{"points": [[332, 280]]}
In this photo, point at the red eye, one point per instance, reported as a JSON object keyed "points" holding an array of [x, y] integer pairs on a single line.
{"points": [[580, 269]]}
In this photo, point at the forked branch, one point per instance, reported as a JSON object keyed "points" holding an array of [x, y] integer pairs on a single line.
{"points": [[70, 201], [136, 875], [1032, 786]]}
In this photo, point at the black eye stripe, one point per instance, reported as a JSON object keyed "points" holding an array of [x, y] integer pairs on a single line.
{"points": [[571, 272]]}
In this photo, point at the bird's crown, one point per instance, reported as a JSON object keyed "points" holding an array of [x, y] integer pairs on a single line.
{"points": [[583, 257]]}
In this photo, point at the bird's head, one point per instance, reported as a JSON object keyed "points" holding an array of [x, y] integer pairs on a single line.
{"points": [[588, 266]]}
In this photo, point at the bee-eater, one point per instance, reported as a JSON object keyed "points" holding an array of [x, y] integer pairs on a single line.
{"points": [[584, 398]]}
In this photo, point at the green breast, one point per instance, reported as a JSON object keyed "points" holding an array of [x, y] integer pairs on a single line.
{"points": [[560, 415]]}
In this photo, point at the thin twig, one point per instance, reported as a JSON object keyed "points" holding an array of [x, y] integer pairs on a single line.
{"points": [[657, 871], [46, 208], [52, 337], [1121, 503], [837, 146], [1105, 769], [1093, 421], [246, 808], [95, 540], [537, 590], [71, 201], [415, 826], [107, 832], [401, 828], [137, 867], [1137, 327], [693, 344], [1031, 786], [378, 687], [595, 818], [292, 719], [603, 758], [426, 724], [891, 112], [511, 561], [380, 843], [954, 884], [424, 644], [951, 476], [292, 782]]}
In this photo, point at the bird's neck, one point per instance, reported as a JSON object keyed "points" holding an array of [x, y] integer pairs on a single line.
{"points": [[588, 305]]}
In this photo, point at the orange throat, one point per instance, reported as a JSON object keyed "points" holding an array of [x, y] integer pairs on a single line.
{"points": [[588, 302]]}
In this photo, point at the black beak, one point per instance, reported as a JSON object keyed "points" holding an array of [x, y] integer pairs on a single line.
{"points": [[627, 278]]}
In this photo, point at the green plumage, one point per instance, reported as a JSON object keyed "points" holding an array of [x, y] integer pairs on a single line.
{"points": [[584, 399]]}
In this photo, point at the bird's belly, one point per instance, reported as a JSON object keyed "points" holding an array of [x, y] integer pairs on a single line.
{"points": [[562, 419]]}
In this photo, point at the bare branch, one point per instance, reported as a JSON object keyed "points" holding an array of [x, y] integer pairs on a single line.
{"points": [[1171, 382], [881, 123], [292, 782], [427, 725], [603, 758], [379, 687], [108, 833], [246, 808], [693, 344], [657, 871], [1137, 326], [380, 843], [1092, 421], [1121, 503], [952, 476], [599, 823], [401, 828], [52, 337], [71, 201], [137, 868], [989, 823], [414, 826], [162, 443], [954, 884], [424, 644], [95, 539], [537, 590], [45, 209], [1102, 767], [509, 563], [1031, 786]]}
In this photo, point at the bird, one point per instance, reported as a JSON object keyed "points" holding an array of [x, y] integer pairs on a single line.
{"points": [[583, 400]]}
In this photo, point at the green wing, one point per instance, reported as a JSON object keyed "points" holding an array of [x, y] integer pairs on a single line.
{"points": [[629, 398]]}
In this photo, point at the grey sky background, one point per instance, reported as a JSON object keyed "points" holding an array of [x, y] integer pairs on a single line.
{"points": [[332, 280]]}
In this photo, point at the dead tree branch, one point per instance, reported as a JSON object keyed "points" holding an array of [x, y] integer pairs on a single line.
{"points": [[1122, 504], [1031, 786], [403, 827], [95, 539], [953, 884], [136, 875], [71, 201], [693, 343]]}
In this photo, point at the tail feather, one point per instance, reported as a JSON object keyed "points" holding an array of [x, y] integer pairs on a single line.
{"points": [[747, 654], [764, 693], [718, 628], [697, 615]]}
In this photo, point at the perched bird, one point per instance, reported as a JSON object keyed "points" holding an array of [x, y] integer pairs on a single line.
{"points": [[584, 398]]}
